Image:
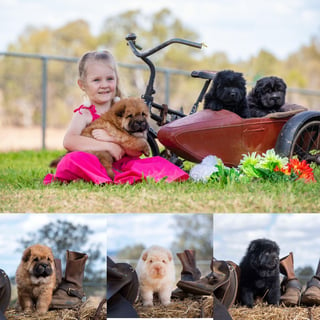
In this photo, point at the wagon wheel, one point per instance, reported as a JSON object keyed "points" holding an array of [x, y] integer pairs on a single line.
{"points": [[306, 143], [166, 153]]}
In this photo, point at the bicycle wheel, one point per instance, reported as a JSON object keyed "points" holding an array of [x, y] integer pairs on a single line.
{"points": [[306, 143]]}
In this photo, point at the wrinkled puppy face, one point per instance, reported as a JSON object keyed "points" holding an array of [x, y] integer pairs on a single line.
{"points": [[271, 92], [157, 262], [132, 114], [264, 257], [230, 87], [39, 262]]}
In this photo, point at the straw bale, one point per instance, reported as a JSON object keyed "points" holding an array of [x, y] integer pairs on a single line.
{"points": [[85, 312], [193, 307], [268, 312]]}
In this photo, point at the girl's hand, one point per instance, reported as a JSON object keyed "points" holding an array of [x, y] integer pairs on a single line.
{"points": [[101, 134], [116, 151]]}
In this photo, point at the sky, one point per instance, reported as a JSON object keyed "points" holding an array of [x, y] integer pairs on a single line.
{"points": [[297, 233], [240, 28], [13, 227], [132, 229]]}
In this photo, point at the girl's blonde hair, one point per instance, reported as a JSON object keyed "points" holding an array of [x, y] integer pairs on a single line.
{"points": [[101, 55]]}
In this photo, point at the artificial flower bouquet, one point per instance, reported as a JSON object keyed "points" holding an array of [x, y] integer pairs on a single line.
{"points": [[268, 166]]}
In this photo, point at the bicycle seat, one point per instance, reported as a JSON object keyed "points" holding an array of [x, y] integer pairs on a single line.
{"points": [[204, 74]]}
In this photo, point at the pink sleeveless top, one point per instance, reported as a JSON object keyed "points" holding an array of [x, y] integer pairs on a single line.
{"points": [[92, 110]]}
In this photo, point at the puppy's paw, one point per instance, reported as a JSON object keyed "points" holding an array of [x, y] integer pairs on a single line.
{"points": [[147, 303], [42, 311], [165, 302], [28, 310], [146, 151], [165, 296]]}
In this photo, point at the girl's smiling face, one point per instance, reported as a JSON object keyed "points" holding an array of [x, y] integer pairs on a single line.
{"points": [[99, 83]]}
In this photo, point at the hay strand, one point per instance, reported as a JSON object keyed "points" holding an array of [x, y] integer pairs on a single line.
{"points": [[268, 312], [85, 312], [201, 307]]}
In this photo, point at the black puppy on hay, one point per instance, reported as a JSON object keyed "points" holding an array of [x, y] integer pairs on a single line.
{"points": [[267, 96], [228, 91], [259, 273]]}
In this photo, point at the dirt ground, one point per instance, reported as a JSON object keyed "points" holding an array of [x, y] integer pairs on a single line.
{"points": [[30, 138]]}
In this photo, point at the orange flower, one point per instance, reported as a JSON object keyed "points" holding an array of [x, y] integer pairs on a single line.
{"points": [[300, 169]]}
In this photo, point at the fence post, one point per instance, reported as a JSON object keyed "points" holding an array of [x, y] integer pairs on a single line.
{"points": [[44, 99], [167, 89]]}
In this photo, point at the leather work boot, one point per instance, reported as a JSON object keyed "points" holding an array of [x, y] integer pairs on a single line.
{"points": [[5, 293], [69, 293], [189, 272], [227, 292], [203, 286], [123, 279], [57, 263], [290, 285], [311, 296]]}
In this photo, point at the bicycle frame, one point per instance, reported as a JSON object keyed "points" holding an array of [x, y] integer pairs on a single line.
{"points": [[150, 91]]}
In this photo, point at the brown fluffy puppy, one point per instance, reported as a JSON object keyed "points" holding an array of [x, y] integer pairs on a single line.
{"points": [[36, 279], [127, 123]]}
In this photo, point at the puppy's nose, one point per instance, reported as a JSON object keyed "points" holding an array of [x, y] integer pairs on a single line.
{"points": [[44, 269], [275, 96], [140, 125]]}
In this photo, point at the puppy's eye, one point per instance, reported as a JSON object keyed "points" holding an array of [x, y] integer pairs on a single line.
{"points": [[150, 261], [36, 259], [130, 116], [164, 261]]}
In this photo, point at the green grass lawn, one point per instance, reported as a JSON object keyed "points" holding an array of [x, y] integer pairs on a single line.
{"points": [[21, 190]]}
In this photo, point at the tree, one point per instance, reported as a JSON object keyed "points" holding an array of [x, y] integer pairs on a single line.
{"points": [[194, 232], [304, 274], [63, 235], [131, 252]]}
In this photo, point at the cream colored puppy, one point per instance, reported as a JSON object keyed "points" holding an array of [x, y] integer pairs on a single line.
{"points": [[156, 273]]}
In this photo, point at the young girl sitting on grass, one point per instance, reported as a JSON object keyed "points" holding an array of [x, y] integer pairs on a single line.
{"points": [[99, 79]]}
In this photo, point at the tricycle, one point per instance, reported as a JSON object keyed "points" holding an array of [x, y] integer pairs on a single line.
{"points": [[222, 133]]}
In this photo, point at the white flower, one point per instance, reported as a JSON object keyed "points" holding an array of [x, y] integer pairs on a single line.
{"points": [[203, 170]]}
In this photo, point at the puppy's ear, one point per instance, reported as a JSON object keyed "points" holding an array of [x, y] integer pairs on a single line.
{"points": [[144, 256], [26, 255], [252, 247], [283, 84], [119, 108]]}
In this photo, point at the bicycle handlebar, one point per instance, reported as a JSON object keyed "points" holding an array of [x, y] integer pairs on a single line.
{"points": [[131, 39]]}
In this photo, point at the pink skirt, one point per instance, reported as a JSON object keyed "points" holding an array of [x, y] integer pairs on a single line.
{"points": [[86, 166]]}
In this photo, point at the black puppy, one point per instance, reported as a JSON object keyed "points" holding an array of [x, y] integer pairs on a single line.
{"points": [[228, 91], [267, 96], [259, 273]]}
